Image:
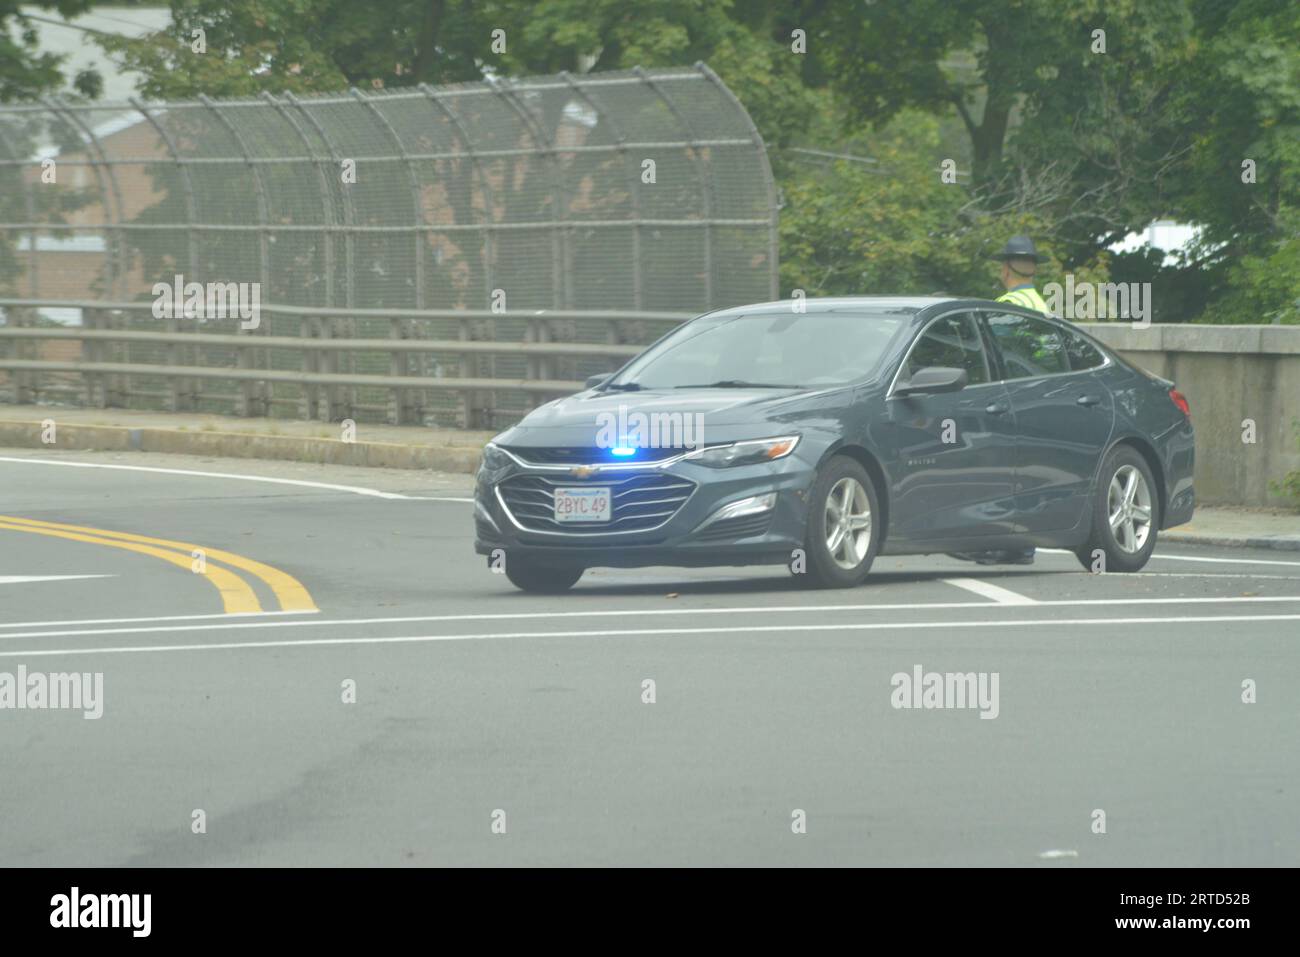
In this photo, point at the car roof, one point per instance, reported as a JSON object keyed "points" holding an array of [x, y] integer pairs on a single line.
{"points": [[917, 305], [923, 308]]}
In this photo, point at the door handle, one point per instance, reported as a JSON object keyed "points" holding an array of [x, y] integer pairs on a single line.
{"points": [[1087, 400], [997, 408]]}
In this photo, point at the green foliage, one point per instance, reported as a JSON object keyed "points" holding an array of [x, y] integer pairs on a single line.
{"points": [[1290, 484], [1239, 100], [998, 64], [308, 45], [1264, 287], [1095, 145], [896, 227], [1074, 146], [24, 72], [1177, 291]]}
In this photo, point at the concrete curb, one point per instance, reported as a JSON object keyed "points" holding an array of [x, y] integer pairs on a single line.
{"points": [[1283, 543], [240, 445]]}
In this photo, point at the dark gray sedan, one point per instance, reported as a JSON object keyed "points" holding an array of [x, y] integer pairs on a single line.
{"points": [[817, 434]]}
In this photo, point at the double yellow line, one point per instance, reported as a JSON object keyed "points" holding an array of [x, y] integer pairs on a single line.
{"points": [[236, 594]]}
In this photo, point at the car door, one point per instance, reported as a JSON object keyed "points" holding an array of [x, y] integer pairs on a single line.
{"points": [[1063, 412], [952, 474]]}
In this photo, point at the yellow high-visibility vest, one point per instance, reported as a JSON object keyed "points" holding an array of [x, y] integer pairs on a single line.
{"points": [[1026, 296]]}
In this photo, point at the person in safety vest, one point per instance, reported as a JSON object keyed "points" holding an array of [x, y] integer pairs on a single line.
{"points": [[1019, 261]]}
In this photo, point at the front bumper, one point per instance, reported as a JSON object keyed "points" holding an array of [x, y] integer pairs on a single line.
{"points": [[680, 540]]}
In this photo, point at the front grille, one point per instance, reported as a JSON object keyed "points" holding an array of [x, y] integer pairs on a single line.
{"points": [[641, 500], [586, 455], [744, 526]]}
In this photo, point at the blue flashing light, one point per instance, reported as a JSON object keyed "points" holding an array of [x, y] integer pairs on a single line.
{"points": [[623, 451]]}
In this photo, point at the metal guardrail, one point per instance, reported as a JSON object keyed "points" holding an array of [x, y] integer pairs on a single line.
{"points": [[595, 197], [625, 190], [105, 377]]}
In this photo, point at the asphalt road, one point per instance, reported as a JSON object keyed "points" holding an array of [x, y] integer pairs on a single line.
{"points": [[224, 692]]}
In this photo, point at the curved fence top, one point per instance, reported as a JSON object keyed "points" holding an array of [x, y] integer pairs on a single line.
{"points": [[631, 190]]}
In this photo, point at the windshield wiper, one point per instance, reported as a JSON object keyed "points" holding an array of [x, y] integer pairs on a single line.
{"points": [[736, 384], [622, 387]]}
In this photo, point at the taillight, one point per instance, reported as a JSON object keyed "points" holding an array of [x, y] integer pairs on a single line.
{"points": [[1180, 400]]}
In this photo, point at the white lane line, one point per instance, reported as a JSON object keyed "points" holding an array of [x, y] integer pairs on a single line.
{"points": [[506, 616], [1203, 576], [125, 621], [1193, 558], [1047, 623], [20, 579], [693, 611], [1003, 596], [303, 483], [647, 612], [1225, 561]]}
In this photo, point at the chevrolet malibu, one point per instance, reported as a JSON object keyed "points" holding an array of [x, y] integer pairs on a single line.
{"points": [[818, 434]]}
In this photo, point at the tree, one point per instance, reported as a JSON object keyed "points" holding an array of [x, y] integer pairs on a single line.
{"points": [[895, 226], [989, 60], [224, 48], [1079, 121], [1240, 176], [327, 45], [25, 72]]}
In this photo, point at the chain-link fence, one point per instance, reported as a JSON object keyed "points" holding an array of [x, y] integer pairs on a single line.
{"points": [[616, 193]]}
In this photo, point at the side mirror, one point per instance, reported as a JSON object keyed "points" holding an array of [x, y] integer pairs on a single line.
{"points": [[595, 380], [933, 379]]}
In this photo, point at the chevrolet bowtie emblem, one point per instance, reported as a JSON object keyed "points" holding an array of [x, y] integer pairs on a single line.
{"points": [[584, 471]]}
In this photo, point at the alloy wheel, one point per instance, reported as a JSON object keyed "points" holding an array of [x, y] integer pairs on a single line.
{"points": [[1128, 507], [848, 523]]}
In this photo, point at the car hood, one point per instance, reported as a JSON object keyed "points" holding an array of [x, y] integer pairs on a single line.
{"points": [[721, 406], [728, 414]]}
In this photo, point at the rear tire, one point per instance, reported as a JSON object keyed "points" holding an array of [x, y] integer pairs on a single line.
{"points": [[1126, 515], [541, 579], [843, 534]]}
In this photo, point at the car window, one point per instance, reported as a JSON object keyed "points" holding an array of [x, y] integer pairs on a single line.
{"points": [[814, 349], [1029, 347], [953, 342], [1083, 354]]}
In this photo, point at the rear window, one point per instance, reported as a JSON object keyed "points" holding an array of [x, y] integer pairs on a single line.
{"points": [[1083, 354], [1029, 347]]}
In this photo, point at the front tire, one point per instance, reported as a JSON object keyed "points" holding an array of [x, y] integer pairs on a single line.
{"points": [[541, 579], [1126, 515], [843, 535]]}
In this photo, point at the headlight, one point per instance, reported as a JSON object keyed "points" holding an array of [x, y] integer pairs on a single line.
{"points": [[494, 458], [745, 453]]}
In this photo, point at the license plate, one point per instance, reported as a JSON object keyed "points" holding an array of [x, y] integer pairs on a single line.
{"points": [[583, 505]]}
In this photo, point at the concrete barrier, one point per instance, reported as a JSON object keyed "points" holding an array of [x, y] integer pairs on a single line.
{"points": [[294, 448], [1229, 374]]}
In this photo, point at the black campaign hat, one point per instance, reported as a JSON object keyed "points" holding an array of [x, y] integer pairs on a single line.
{"points": [[1019, 247]]}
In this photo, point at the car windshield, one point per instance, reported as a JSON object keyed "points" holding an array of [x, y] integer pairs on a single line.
{"points": [[804, 350]]}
